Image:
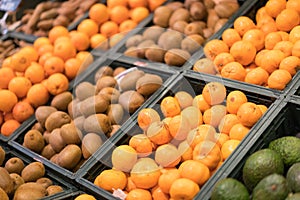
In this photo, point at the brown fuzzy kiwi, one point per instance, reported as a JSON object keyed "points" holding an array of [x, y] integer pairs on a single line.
{"points": [[54, 158], [30, 190], [192, 43], [142, 47], [70, 134], [131, 100], [62, 100], [84, 90], [78, 122], [162, 15], [38, 126], [90, 144], [132, 52], [54, 189], [44, 181], [179, 26], [103, 71], [2, 155], [118, 70], [73, 108], [115, 113], [153, 33], [170, 39], [56, 120], [46, 135], [56, 141], [194, 28], [3, 195], [6, 182], [33, 171], [155, 53], [97, 123], [176, 57], [105, 81], [212, 18], [148, 84], [34, 141], [226, 9], [48, 152], [179, 14], [93, 104], [111, 94], [198, 11], [175, 5], [134, 40], [42, 112], [14, 165], [128, 82], [69, 157], [17, 180]]}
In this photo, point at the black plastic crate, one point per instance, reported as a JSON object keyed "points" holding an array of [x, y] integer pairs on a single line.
{"points": [[16, 140], [49, 173], [121, 48], [283, 122], [193, 84]]}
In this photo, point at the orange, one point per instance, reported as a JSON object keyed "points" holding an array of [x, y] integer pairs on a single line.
{"points": [[44, 57], [183, 188], [111, 179], [158, 133], [291, 64], [40, 42], [248, 114], [57, 83], [293, 4], [72, 68], [234, 100], [294, 35], [138, 14], [222, 59], [259, 57], [296, 49], [242, 24], [22, 111], [234, 70], [269, 27], [228, 147], [137, 3], [243, 52], [139, 194], [179, 127], [109, 29], [113, 3], [99, 13], [285, 46], [19, 86], [214, 47], [127, 26], [47, 48], [170, 106], [97, 40], [271, 60], [257, 76], [287, 19], [30, 53], [119, 14], [9, 126], [221, 138], [214, 115], [88, 26], [168, 176], [54, 65], [124, 158], [227, 122], [85, 58], [274, 7], [6, 62], [158, 194], [195, 171], [80, 40], [130, 185], [167, 155], [261, 13], [279, 79], [263, 108], [35, 73], [214, 93], [64, 50], [142, 144], [264, 20], [20, 61], [200, 103], [6, 74], [194, 116], [147, 116], [185, 151], [8, 100], [64, 38], [38, 95], [256, 37], [8, 116], [230, 36], [85, 197], [56, 32], [238, 132], [284, 35], [115, 39], [204, 132]]}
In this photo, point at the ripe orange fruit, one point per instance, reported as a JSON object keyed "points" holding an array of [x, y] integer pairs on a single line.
{"points": [[20, 62], [238, 132], [44, 57], [256, 37], [142, 144], [9, 126], [147, 116], [214, 93], [111, 179], [109, 29], [8, 100], [56, 32], [230, 36], [158, 133], [85, 58], [234, 100], [88, 26], [269, 27], [57, 83], [227, 122], [221, 138], [200, 103], [285, 46], [138, 14], [242, 24], [263, 108], [38, 95], [113, 3], [243, 52], [194, 116], [279, 79], [35, 73], [99, 13], [54, 65], [214, 47], [274, 7], [183, 188], [97, 40], [124, 158], [47, 48], [234, 70], [228, 147], [127, 26], [40, 42], [214, 115], [287, 19], [179, 127], [6, 74], [137, 3], [222, 59], [296, 49], [248, 114], [119, 14], [139, 194], [170, 106], [185, 151], [167, 155], [204, 132], [80, 40], [271, 60], [168, 176], [30, 53], [64, 50], [294, 35], [19, 86], [257, 76], [22, 111], [291, 64], [293, 4], [72, 68]]}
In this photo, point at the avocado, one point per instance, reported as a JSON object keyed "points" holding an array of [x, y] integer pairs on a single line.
{"points": [[293, 177], [288, 147], [261, 164], [229, 188], [272, 187], [295, 196]]}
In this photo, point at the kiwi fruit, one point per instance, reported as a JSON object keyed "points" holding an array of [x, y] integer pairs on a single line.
{"points": [[179, 26], [212, 18], [34, 141], [54, 189], [143, 46], [3, 195], [54, 158], [42, 113], [93, 104], [103, 71], [208, 32], [30, 190], [176, 57], [175, 5], [48, 151], [33, 171], [69, 157], [220, 23], [62, 100], [192, 43], [46, 135], [132, 52], [162, 15], [209, 4], [131, 100], [179, 14], [2, 155], [148, 84], [114, 129], [134, 41], [170, 39], [105, 81], [198, 11], [38, 126], [78, 122], [115, 113], [188, 3], [6, 182], [14, 165], [17, 180], [226, 9], [70, 134], [56, 141], [90, 143], [110, 94], [155, 53], [194, 28], [97, 123], [118, 70], [128, 82], [56, 120], [73, 108], [184, 99], [44, 181], [84, 90], [153, 33]]}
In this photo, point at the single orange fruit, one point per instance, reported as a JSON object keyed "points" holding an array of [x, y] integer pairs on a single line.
{"points": [[170, 106], [257, 76], [200, 103], [222, 59], [248, 114], [113, 3], [287, 19], [158, 132], [256, 37], [99, 13], [124, 158], [158, 194], [22, 111], [119, 14], [184, 188], [204, 132], [111, 179], [57, 83], [294, 35], [142, 144], [109, 29], [72, 67], [138, 193], [147, 116], [230, 36], [138, 14], [228, 147], [54, 65], [30, 52], [40, 42], [279, 79], [127, 26], [168, 176], [291, 64], [7, 62], [285, 46], [97, 40], [221, 138], [274, 7], [38, 95], [238, 132], [137, 3], [179, 127], [214, 47], [88, 26], [293, 4], [80, 40], [167, 155], [44, 57], [214, 115], [56, 32], [64, 50], [260, 56], [271, 60], [20, 62], [243, 52], [8, 100], [19, 86], [263, 108], [242, 24], [234, 100], [234, 70], [214, 93], [85, 58], [227, 122], [35, 73], [9, 126], [6, 74]]}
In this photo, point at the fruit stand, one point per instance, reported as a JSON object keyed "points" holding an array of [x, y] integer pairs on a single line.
{"points": [[150, 99]]}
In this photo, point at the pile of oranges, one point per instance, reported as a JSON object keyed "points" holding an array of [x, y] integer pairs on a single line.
{"points": [[173, 157], [265, 53]]}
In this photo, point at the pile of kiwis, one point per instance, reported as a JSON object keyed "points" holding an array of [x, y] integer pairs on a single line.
{"points": [[74, 126], [179, 30], [21, 181]]}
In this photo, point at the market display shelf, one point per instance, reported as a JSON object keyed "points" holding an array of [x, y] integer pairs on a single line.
{"points": [[192, 83], [283, 122], [121, 47], [16, 140], [56, 178]]}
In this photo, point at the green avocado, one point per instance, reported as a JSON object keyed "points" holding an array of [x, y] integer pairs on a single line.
{"points": [[295, 196], [293, 177]]}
